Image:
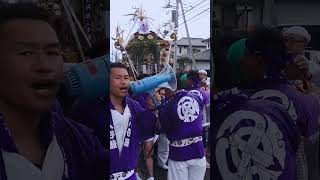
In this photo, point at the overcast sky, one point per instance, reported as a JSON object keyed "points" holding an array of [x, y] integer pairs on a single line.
{"points": [[198, 18]]}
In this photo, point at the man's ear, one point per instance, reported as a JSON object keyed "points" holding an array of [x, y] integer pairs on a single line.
{"points": [[287, 43]]}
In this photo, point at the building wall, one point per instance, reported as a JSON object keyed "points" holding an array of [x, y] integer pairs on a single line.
{"points": [[184, 66], [281, 13], [202, 65], [15, 1], [288, 13], [226, 14], [184, 50], [298, 13]]}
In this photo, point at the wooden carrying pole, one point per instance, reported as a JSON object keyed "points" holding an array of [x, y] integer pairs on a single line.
{"points": [[73, 29]]}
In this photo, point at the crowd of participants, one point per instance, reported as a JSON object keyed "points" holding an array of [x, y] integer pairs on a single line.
{"points": [[170, 118], [264, 123], [265, 119]]}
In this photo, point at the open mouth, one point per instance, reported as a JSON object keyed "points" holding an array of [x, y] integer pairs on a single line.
{"points": [[45, 87], [41, 86], [124, 89]]}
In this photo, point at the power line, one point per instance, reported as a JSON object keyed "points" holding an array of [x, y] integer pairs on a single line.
{"points": [[189, 14], [195, 16], [189, 10], [194, 6], [196, 11], [194, 21], [188, 5], [192, 10]]}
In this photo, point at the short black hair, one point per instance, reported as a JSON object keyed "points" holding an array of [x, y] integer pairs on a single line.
{"points": [[15, 11], [193, 75], [267, 38], [117, 65], [222, 68], [269, 43]]}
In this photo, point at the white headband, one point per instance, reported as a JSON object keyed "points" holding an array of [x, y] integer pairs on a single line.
{"points": [[202, 71], [297, 31]]}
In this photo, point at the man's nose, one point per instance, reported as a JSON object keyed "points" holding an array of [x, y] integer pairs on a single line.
{"points": [[43, 64], [123, 81]]}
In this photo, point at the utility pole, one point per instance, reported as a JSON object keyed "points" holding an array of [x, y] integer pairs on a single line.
{"points": [[270, 16], [176, 25], [188, 35], [116, 57], [112, 55]]}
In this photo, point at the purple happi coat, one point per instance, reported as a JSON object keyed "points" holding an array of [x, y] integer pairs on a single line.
{"points": [[142, 99], [180, 118], [304, 109], [252, 139], [140, 127], [204, 96], [149, 128], [84, 156]]}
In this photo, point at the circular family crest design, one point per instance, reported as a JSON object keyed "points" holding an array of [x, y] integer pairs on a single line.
{"points": [[188, 109], [276, 95], [250, 145]]}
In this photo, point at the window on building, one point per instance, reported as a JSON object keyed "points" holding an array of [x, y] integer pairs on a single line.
{"points": [[196, 50]]}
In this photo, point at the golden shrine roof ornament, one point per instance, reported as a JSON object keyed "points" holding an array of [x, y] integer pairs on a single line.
{"points": [[119, 38], [139, 13]]}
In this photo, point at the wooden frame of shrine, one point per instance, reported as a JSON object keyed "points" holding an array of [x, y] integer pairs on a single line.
{"points": [[148, 53]]}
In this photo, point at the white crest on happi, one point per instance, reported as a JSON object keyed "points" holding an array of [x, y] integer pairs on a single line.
{"points": [[198, 93], [188, 109], [285, 102], [264, 146]]}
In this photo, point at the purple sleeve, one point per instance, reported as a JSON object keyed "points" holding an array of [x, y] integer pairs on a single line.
{"points": [[206, 97], [146, 121], [84, 113], [312, 116], [201, 96], [200, 99], [96, 155], [100, 160], [93, 115], [142, 99], [164, 120]]}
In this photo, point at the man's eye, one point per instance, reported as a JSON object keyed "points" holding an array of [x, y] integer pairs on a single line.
{"points": [[53, 53]]}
